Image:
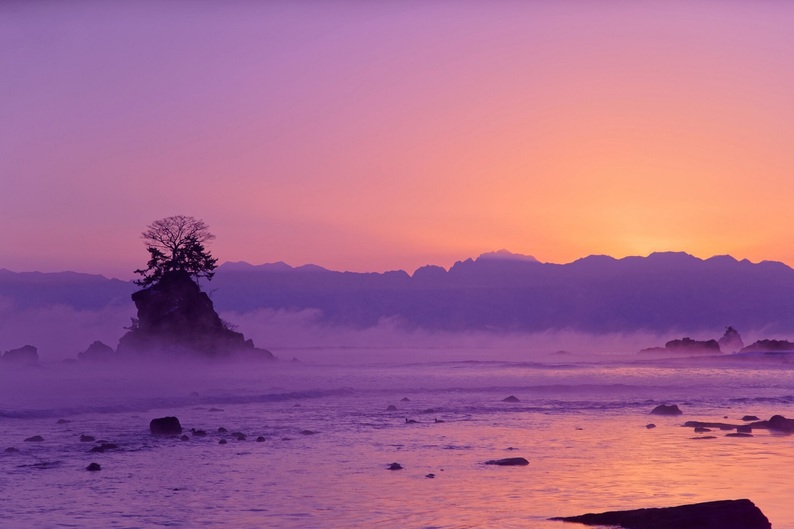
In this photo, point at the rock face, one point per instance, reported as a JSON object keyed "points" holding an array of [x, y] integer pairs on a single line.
{"points": [[97, 352], [664, 409], [165, 426], [26, 355], [176, 317], [725, 514], [731, 341]]}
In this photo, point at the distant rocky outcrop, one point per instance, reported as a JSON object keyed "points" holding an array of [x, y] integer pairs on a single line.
{"points": [[97, 352], [725, 514], [26, 355], [176, 317], [731, 341], [686, 346], [764, 346]]}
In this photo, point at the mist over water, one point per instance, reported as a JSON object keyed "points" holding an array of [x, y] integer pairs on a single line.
{"points": [[581, 421]]}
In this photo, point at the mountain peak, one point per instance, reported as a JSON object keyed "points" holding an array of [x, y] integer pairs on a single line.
{"points": [[506, 255]]}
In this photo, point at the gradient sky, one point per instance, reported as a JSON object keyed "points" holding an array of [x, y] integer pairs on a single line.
{"points": [[369, 136]]}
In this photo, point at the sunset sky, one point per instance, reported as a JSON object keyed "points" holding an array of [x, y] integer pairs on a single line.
{"points": [[371, 136]]}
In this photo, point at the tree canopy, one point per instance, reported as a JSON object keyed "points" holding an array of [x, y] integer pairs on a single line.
{"points": [[177, 244]]}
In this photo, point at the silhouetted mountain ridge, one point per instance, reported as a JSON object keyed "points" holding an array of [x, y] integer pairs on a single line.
{"points": [[500, 291]]}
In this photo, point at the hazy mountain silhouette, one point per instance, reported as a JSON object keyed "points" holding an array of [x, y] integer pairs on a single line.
{"points": [[498, 291]]}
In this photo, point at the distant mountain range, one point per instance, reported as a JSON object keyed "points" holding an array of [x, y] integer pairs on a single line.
{"points": [[498, 291]]}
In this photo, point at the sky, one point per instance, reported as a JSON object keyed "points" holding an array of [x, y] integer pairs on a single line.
{"points": [[372, 136]]}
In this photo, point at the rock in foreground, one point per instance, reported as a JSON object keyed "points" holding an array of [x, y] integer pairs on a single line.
{"points": [[508, 462], [724, 514], [664, 409], [165, 426]]}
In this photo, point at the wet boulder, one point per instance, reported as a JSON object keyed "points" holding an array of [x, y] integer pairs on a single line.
{"points": [[97, 352], [508, 462], [780, 423], [34, 439], [665, 409], [93, 467], [724, 514], [391, 407], [165, 426], [395, 466], [511, 398]]}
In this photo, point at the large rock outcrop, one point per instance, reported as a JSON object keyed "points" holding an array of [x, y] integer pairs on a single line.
{"points": [[175, 317], [731, 341], [725, 514], [26, 355]]}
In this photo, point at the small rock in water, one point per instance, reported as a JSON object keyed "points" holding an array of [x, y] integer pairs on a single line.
{"points": [[750, 418], [395, 466], [103, 447], [260, 439], [702, 429], [437, 421], [405, 399], [744, 428], [664, 409], [222, 430], [738, 434], [240, 436], [93, 467], [508, 462], [184, 438], [410, 421], [391, 407], [215, 409], [63, 421], [11, 449], [307, 432], [87, 438], [199, 433], [429, 410], [511, 398], [222, 442], [431, 476], [165, 426], [650, 425], [703, 437], [34, 439]]}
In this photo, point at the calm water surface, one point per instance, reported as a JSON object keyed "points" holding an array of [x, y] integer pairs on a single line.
{"points": [[582, 426]]}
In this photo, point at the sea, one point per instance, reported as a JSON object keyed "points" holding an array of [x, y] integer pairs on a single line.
{"points": [[320, 437]]}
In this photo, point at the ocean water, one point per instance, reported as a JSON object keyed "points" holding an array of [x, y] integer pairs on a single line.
{"points": [[329, 439]]}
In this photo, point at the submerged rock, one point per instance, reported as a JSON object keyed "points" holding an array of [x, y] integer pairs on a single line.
{"points": [[222, 442], [184, 438], [725, 514], [391, 407], [165, 426], [93, 467], [395, 466], [664, 409], [34, 439], [511, 398], [508, 462], [11, 450], [750, 418], [260, 439]]}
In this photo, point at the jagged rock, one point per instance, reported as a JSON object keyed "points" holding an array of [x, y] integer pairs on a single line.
{"points": [[175, 317], [430, 476], [766, 346], [731, 341], [165, 426], [664, 409], [25, 356], [508, 462], [511, 398], [93, 467], [725, 514], [34, 439], [97, 352]]}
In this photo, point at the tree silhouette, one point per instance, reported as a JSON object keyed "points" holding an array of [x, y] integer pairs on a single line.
{"points": [[177, 244]]}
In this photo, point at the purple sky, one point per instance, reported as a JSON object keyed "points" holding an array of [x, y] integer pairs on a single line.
{"points": [[383, 135]]}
